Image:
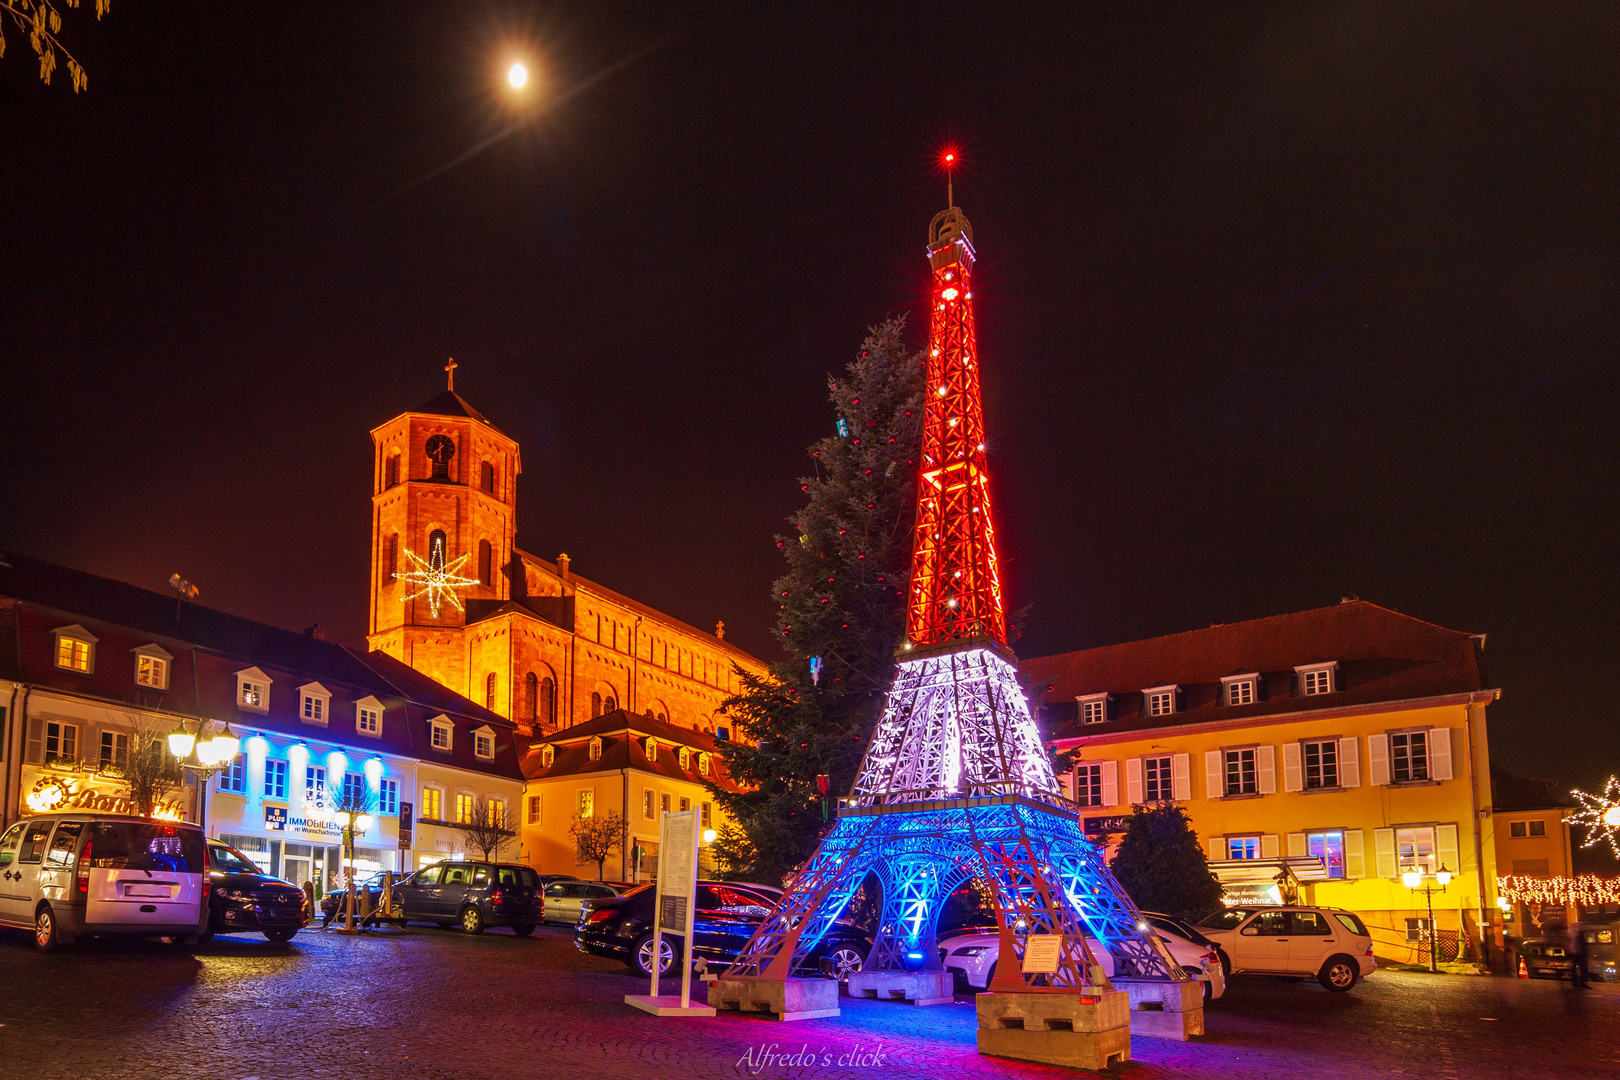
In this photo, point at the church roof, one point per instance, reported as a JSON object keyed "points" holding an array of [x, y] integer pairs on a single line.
{"points": [[451, 403]]}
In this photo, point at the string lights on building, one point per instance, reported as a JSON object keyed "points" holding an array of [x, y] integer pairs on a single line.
{"points": [[1600, 814], [436, 580], [1588, 890]]}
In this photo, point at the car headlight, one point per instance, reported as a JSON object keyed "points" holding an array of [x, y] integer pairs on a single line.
{"points": [[972, 950], [231, 894]]}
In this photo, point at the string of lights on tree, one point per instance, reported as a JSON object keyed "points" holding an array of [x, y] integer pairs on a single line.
{"points": [[1588, 890], [1600, 814]]}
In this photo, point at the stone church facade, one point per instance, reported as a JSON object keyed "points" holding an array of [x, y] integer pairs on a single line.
{"points": [[524, 636]]}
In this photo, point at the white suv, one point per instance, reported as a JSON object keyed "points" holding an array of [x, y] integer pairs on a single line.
{"points": [[1330, 943]]}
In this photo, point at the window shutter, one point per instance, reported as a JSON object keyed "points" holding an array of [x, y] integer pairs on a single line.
{"points": [[1265, 762], [1110, 783], [1214, 782], [1384, 852], [1291, 771], [1440, 753], [1296, 845], [1133, 780], [34, 753], [1217, 847], [1268, 846], [1378, 766], [1181, 777], [1445, 847], [1349, 764], [1355, 856]]}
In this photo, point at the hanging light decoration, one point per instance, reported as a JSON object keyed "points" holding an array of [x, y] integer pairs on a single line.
{"points": [[1600, 814], [436, 582]]}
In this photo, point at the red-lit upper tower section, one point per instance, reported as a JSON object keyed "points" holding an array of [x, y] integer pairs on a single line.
{"points": [[955, 585]]}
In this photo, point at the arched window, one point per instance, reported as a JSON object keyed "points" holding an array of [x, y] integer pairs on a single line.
{"points": [[486, 564], [608, 704], [531, 686], [486, 477], [391, 470], [438, 549], [596, 706], [392, 556], [489, 691], [548, 701]]}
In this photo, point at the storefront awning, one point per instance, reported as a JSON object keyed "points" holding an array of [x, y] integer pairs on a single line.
{"points": [[1265, 881]]}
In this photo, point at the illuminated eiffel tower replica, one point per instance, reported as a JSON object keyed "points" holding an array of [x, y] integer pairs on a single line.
{"points": [[956, 785]]}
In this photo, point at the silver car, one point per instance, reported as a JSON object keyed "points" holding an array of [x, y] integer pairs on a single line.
{"points": [[565, 898]]}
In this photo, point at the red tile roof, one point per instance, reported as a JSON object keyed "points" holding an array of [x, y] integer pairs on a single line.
{"points": [[1382, 656], [624, 745]]}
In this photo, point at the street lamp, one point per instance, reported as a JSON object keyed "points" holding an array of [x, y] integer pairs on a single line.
{"points": [[1413, 880], [204, 758], [518, 76]]}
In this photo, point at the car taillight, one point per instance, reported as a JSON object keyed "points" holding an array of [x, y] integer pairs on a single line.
{"points": [[1369, 948], [84, 868], [1212, 956], [497, 896], [595, 917]]}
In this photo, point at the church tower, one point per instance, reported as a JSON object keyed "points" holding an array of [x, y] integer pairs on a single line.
{"points": [[443, 521]]}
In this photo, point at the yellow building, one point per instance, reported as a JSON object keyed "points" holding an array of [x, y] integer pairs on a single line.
{"points": [[525, 637], [1319, 754], [1530, 827], [635, 765]]}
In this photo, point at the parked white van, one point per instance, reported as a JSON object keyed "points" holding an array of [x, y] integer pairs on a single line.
{"points": [[66, 875]]}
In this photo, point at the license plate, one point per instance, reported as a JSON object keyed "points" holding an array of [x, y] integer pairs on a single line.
{"points": [[155, 891]]}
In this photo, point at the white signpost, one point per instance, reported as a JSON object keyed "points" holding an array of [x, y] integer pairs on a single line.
{"points": [[673, 911]]}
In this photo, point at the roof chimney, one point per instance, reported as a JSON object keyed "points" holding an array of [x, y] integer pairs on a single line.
{"points": [[720, 630], [315, 632], [562, 566]]}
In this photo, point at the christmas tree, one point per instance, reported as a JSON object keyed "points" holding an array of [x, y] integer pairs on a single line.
{"points": [[1162, 866], [802, 730]]}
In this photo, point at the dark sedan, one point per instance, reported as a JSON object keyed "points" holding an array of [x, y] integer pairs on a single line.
{"points": [[727, 915], [1546, 958], [471, 895], [243, 898]]}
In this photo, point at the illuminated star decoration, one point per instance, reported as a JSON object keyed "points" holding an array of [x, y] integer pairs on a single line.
{"points": [[1600, 815], [437, 583]]}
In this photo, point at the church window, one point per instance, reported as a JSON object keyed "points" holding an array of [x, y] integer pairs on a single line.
{"points": [[486, 477], [531, 695], [391, 471], [440, 449], [393, 556], [548, 701], [608, 704], [489, 691], [486, 564], [438, 549], [596, 706]]}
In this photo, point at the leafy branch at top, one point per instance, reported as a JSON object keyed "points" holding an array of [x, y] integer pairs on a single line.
{"points": [[42, 22]]}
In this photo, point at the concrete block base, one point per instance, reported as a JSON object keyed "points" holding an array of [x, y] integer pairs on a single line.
{"points": [[917, 987], [1165, 1010], [787, 999], [1069, 1028]]}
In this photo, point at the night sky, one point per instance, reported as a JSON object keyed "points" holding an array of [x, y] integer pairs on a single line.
{"points": [[1277, 304]]}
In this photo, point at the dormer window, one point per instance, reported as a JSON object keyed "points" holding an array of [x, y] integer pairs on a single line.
{"points": [[596, 748], [652, 750], [253, 690], [75, 649], [314, 703], [1093, 708], [368, 716], [548, 756], [686, 759], [1239, 689], [1159, 700], [152, 667], [1317, 679], [440, 731], [484, 744], [703, 764]]}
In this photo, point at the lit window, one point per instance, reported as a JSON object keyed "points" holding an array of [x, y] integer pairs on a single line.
{"points": [[534, 809], [587, 802], [233, 777], [663, 803], [253, 690], [432, 804], [61, 742], [1409, 757], [1316, 679], [1088, 788], [1329, 847], [685, 804], [1240, 692], [464, 808], [388, 797], [1094, 709], [1242, 847], [314, 784], [647, 803], [1321, 764], [1415, 848], [1156, 783], [497, 813], [75, 650], [275, 779], [114, 749], [151, 671], [484, 745], [1240, 775]]}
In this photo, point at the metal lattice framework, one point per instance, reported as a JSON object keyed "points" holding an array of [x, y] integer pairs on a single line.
{"points": [[955, 784], [955, 585]]}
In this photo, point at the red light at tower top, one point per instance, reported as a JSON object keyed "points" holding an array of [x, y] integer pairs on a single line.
{"points": [[955, 582]]}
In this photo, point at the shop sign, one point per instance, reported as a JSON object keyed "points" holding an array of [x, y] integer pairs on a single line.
{"points": [[278, 819], [406, 810], [71, 793]]}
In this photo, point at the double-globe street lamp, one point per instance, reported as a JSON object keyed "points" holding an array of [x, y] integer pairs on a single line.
{"points": [[1414, 880], [204, 758]]}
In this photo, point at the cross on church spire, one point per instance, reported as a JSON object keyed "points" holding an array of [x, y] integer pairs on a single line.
{"points": [[450, 370]]}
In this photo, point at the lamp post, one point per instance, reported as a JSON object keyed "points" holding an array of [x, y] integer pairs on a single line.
{"points": [[1414, 880], [204, 758]]}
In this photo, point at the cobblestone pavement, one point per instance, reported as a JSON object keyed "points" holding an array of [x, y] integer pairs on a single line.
{"points": [[437, 1003]]}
